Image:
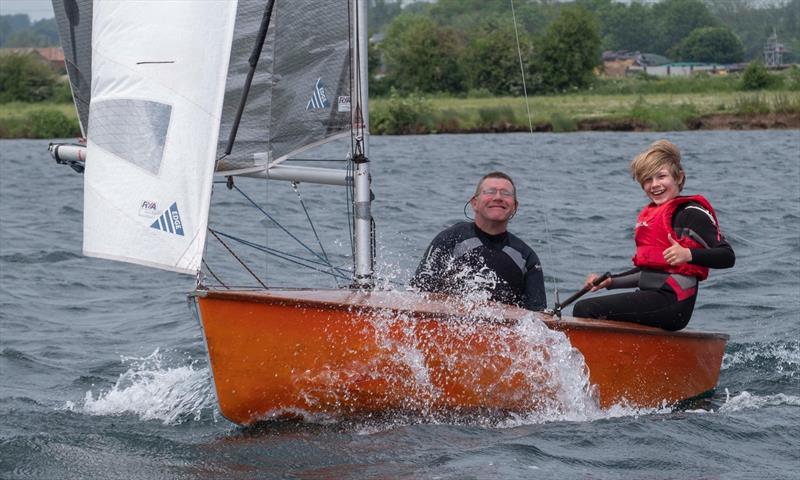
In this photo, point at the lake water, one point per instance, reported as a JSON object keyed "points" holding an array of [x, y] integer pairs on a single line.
{"points": [[103, 371]]}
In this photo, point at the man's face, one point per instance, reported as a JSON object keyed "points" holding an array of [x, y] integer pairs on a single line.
{"points": [[495, 202]]}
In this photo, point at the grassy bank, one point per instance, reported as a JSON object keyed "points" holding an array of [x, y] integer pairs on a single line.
{"points": [[38, 120], [557, 113], [579, 111]]}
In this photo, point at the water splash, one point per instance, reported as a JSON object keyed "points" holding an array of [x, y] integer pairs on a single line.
{"points": [[474, 366], [747, 401], [782, 357], [153, 391]]}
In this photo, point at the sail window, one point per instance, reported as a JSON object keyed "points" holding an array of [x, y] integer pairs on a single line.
{"points": [[133, 130]]}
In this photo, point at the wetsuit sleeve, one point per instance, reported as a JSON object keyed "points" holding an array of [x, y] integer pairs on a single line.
{"points": [[699, 224], [535, 297], [430, 271]]}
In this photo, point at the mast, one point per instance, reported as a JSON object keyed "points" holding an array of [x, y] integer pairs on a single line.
{"points": [[363, 257]]}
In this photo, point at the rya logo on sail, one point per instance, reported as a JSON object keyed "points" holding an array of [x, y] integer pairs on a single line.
{"points": [[169, 221], [344, 103], [318, 99], [148, 208]]}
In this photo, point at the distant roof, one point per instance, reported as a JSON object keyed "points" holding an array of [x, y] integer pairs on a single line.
{"points": [[642, 59], [652, 59], [51, 54], [691, 64]]}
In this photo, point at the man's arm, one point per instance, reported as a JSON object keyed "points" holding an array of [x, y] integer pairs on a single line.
{"points": [[430, 274], [535, 297], [428, 270]]}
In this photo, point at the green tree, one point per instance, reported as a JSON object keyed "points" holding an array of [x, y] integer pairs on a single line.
{"points": [[17, 31], [569, 51], [381, 13], [712, 45], [492, 62], [624, 27], [420, 55], [756, 77], [10, 24], [676, 19], [753, 21], [25, 78]]}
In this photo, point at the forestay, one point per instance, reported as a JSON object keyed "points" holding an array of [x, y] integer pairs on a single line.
{"points": [[167, 80]]}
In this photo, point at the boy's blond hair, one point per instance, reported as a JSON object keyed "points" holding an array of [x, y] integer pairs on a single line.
{"points": [[662, 153]]}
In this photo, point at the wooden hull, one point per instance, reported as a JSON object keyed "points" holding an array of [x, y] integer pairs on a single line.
{"points": [[339, 352]]}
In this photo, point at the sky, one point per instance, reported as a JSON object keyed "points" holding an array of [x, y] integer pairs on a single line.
{"points": [[36, 9], [39, 9]]}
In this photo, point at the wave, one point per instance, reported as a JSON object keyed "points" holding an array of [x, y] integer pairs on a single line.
{"points": [[40, 257], [153, 391], [782, 357], [747, 401]]}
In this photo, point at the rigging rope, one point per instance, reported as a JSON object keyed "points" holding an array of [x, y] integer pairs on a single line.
{"points": [[279, 225], [311, 223], [549, 237], [337, 271], [213, 232], [214, 275]]}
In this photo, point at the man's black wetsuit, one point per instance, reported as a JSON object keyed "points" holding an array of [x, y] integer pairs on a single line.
{"points": [[464, 258], [656, 303]]}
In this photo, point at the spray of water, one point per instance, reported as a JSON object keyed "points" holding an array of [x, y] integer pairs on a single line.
{"points": [[153, 391], [747, 401]]}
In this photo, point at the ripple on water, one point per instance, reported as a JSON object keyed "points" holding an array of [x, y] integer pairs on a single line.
{"points": [[42, 256]]}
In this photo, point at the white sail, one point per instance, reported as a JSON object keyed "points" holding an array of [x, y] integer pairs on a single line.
{"points": [[158, 83]]}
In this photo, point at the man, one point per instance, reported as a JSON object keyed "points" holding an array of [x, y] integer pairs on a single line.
{"points": [[482, 256]]}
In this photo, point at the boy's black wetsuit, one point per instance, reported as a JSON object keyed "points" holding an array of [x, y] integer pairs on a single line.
{"points": [[464, 258], [656, 302]]}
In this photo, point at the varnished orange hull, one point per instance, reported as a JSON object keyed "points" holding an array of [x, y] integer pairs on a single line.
{"points": [[340, 352]]}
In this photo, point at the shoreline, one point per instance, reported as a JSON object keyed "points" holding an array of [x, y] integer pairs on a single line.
{"points": [[68, 124], [719, 121], [759, 121]]}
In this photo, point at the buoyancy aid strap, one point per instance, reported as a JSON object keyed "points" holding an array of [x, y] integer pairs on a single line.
{"points": [[684, 286], [682, 233], [652, 279]]}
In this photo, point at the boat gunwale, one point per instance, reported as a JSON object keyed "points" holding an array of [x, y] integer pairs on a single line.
{"points": [[283, 297]]}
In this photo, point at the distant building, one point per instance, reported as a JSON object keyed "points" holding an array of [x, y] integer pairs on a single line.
{"points": [[680, 69], [53, 57], [617, 64], [773, 51]]}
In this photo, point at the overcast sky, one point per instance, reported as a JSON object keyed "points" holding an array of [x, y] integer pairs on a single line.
{"points": [[36, 9]]}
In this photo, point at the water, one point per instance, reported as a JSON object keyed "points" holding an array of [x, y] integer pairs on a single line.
{"points": [[104, 375]]}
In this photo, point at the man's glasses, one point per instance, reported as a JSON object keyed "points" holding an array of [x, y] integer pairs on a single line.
{"points": [[491, 192]]}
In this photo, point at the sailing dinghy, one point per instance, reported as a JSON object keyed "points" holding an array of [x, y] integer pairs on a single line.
{"points": [[171, 93]]}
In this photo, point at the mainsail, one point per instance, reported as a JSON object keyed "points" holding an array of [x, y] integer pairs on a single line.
{"points": [[167, 82], [300, 96]]}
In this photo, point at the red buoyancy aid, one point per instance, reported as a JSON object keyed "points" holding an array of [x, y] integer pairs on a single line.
{"points": [[653, 227]]}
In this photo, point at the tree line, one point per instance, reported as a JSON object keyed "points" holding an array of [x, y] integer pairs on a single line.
{"points": [[17, 31], [459, 46], [465, 45]]}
